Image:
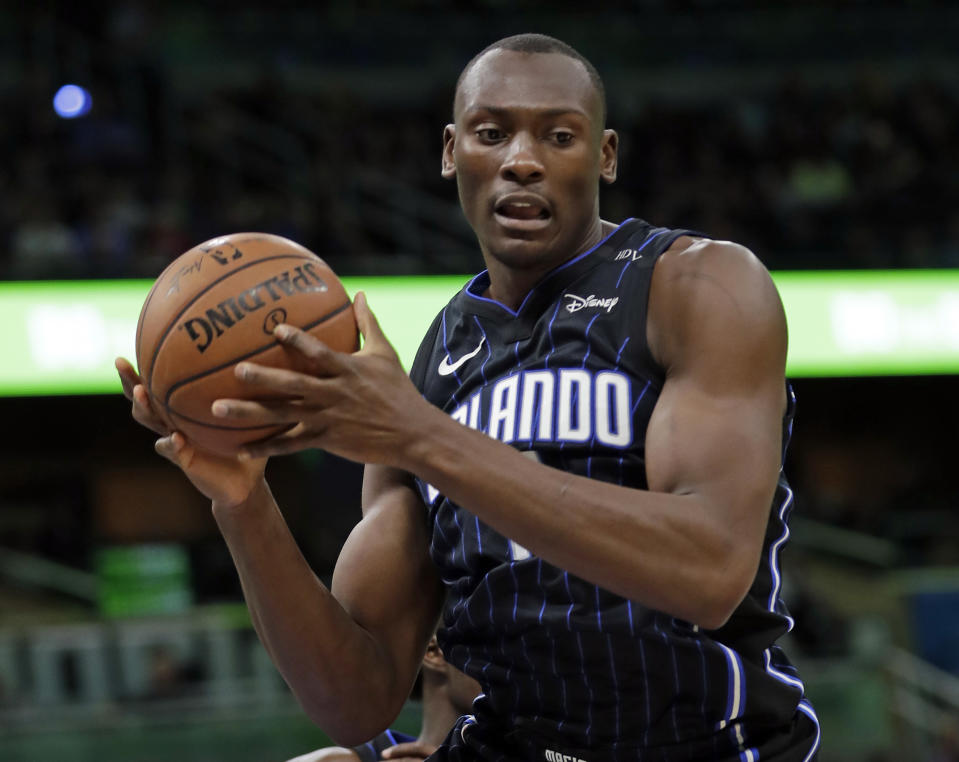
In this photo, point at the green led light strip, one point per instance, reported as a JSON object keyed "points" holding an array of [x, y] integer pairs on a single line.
{"points": [[61, 337]]}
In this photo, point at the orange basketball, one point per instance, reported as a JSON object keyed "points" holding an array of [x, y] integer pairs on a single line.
{"points": [[216, 305]]}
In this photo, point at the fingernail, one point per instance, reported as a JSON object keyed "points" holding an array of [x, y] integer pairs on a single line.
{"points": [[242, 369], [220, 408], [243, 455], [282, 331]]}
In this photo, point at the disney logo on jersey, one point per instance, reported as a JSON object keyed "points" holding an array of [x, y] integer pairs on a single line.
{"points": [[446, 367], [576, 303]]}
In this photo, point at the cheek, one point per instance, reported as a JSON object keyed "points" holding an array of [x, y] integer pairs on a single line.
{"points": [[581, 187], [470, 171]]}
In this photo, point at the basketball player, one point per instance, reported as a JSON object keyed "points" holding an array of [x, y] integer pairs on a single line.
{"points": [[582, 470], [447, 695]]}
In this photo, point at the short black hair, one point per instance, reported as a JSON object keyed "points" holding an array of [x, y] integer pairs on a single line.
{"points": [[541, 43]]}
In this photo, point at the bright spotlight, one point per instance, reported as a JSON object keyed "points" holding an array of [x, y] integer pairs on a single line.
{"points": [[72, 101]]}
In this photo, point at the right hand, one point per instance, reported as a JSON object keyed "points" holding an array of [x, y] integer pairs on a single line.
{"points": [[224, 480]]}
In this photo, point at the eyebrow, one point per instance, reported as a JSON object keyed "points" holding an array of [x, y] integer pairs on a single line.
{"points": [[550, 112]]}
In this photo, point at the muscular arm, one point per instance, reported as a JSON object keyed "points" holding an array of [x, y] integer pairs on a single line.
{"points": [[350, 654], [689, 545]]}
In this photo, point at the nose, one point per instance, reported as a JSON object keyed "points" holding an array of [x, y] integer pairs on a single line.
{"points": [[522, 163]]}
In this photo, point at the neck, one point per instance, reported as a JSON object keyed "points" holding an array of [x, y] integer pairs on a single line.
{"points": [[510, 285]]}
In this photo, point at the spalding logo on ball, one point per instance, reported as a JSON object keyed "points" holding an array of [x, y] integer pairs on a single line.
{"points": [[216, 305]]}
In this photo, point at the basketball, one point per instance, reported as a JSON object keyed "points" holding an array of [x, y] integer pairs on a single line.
{"points": [[216, 305]]}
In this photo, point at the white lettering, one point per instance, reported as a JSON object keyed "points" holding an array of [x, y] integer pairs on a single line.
{"points": [[576, 303], [573, 421], [517, 552], [558, 756], [536, 383], [474, 403], [502, 414], [563, 405], [613, 421], [459, 414]]}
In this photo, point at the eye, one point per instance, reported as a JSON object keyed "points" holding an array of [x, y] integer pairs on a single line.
{"points": [[490, 134], [562, 137]]}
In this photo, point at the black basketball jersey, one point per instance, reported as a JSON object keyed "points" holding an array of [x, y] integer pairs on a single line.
{"points": [[569, 670]]}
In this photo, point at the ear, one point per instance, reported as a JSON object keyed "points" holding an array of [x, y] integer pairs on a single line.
{"points": [[609, 156], [433, 659], [449, 141]]}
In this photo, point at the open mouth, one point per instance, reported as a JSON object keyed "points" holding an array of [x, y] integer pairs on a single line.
{"points": [[522, 210]]}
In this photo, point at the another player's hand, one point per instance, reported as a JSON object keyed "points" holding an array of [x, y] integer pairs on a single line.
{"points": [[228, 481], [414, 751], [360, 406]]}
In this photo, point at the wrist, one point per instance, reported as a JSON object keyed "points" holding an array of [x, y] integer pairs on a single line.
{"points": [[437, 442], [258, 496]]}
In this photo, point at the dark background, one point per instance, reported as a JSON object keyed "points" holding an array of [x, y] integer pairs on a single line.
{"points": [[822, 136]]}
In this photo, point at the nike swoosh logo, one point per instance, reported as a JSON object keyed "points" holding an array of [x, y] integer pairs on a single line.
{"points": [[446, 367]]}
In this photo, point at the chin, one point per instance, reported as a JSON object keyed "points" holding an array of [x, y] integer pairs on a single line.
{"points": [[520, 253]]}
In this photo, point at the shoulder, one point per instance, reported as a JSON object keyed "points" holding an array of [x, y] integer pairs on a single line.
{"points": [[706, 290], [695, 262]]}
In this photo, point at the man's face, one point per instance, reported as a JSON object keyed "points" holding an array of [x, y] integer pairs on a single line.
{"points": [[528, 150]]}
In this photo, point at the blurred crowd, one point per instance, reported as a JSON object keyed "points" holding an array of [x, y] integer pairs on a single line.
{"points": [[861, 176], [862, 173]]}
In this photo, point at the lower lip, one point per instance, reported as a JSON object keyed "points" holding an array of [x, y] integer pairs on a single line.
{"points": [[527, 226]]}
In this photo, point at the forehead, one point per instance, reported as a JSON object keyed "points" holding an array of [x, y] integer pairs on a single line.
{"points": [[508, 79]]}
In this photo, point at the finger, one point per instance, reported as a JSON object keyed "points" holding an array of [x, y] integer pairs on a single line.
{"points": [[366, 321], [173, 448], [412, 751], [276, 381], [291, 441], [143, 412], [259, 412], [128, 376], [373, 337], [409, 748], [322, 359]]}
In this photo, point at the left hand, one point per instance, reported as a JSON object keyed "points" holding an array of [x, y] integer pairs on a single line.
{"points": [[361, 406], [413, 751]]}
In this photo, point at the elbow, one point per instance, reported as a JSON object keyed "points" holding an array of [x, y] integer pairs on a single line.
{"points": [[722, 598], [351, 737], [726, 579], [715, 613], [349, 723], [348, 731]]}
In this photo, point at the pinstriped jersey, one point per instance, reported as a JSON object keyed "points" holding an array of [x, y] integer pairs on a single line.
{"points": [[569, 670]]}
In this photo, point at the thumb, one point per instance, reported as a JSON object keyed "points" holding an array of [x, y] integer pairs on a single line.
{"points": [[373, 337], [174, 448]]}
